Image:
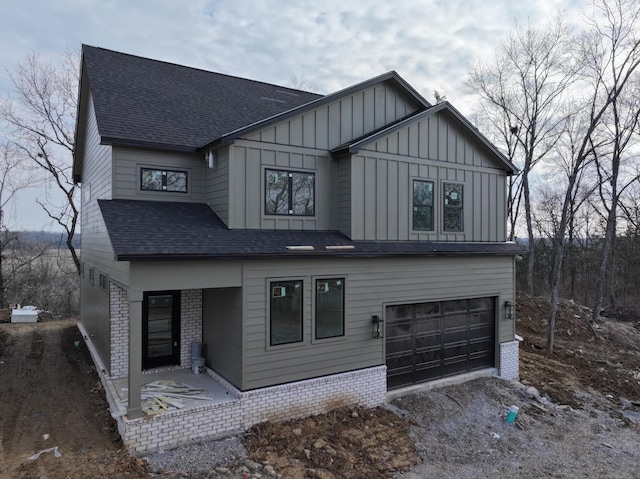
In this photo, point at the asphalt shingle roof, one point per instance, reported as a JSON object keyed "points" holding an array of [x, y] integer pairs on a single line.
{"points": [[150, 230], [142, 101]]}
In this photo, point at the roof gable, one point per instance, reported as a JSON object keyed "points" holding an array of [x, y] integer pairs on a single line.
{"points": [[392, 78], [445, 108], [139, 101]]}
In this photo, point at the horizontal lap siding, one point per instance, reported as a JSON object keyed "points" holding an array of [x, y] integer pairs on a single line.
{"points": [[127, 163], [96, 251], [222, 332], [370, 285]]}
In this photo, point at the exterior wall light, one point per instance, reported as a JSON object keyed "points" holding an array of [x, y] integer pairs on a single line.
{"points": [[377, 326], [508, 307]]}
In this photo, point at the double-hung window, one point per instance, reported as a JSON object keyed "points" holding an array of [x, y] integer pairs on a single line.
{"points": [[152, 179], [285, 312], [423, 205], [452, 214], [289, 193], [329, 308]]}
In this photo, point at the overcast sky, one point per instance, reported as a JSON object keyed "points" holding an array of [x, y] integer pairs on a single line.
{"points": [[330, 43]]}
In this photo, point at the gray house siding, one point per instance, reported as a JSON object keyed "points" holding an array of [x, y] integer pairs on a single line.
{"points": [[222, 332], [343, 196], [247, 166], [126, 174], [371, 285], [217, 184], [381, 183], [96, 251], [350, 117]]}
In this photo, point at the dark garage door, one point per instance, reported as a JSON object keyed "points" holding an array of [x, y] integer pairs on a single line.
{"points": [[427, 341]]}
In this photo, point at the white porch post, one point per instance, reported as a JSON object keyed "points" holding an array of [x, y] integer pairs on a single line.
{"points": [[134, 409]]}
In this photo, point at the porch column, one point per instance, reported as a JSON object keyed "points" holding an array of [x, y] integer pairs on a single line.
{"points": [[134, 409]]}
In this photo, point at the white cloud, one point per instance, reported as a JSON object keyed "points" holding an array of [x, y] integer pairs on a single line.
{"points": [[333, 43]]}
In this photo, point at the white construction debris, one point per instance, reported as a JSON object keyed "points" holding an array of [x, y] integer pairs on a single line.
{"points": [[162, 396]]}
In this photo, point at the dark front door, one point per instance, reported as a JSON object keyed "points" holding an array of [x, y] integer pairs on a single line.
{"points": [[426, 341], [160, 329]]}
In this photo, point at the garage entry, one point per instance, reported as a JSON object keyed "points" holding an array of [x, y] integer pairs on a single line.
{"points": [[426, 341]]}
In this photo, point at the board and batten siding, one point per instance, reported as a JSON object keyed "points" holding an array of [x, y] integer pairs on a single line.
{"points": [[247, 165], [126, 174], [381, 184], [222, 332], [338, 122], [217, 184], [371, 285]]}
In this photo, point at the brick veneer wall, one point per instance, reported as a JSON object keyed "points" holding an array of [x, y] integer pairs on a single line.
{"points": [[119, 322], [365, 387], [509, 360], [190, 329]]}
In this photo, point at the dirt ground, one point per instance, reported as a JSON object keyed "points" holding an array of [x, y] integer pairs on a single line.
{"points": [[579, 415], [50, 389]]}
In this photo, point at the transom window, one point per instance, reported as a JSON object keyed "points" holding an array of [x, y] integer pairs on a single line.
{"points": [[285, 313], [452, 214], [329, 308], [422, 205], [289, 193], [163, 180]]}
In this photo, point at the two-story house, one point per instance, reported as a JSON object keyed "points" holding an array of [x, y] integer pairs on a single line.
{"points": [[325, 249]]}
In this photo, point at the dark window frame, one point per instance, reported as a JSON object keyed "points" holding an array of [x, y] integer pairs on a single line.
{"points": [[449, 207], [274, 284], [290, 200], [164, 173], [416, 206], [91, 276], [317, 283], [103, 281]]}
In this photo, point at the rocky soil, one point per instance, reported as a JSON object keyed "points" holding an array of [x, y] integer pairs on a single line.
{"points": [[578, 416]]}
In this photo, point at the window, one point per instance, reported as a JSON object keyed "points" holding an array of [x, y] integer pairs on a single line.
{"points": [[329, 308], [422, 205], [452, 213], [285, 313], [163, 180], [102, 278], [91, 273], [289, 193]]}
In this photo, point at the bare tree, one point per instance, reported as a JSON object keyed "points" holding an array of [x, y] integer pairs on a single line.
{"points": [[302, 83], [41, 119], [13, 178], [620, 127], [610, 55], [523, 91]]}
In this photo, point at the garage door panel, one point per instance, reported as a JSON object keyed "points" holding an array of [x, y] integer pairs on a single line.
{"points": [[429, 340]]}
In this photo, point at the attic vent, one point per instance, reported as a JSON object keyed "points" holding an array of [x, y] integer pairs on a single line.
{"points": [[287, 93], [340, 247], [273, 99]]}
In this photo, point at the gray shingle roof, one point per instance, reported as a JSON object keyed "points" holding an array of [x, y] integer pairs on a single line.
{"points": [[142, 101], [148, 230]]}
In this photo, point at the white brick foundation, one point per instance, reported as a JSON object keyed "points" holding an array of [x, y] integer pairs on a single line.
{"points": [[190, 329], [365, 387], [509, 360]]}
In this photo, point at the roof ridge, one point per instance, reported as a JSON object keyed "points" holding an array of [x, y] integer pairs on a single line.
{"points": [[166, 62]]}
